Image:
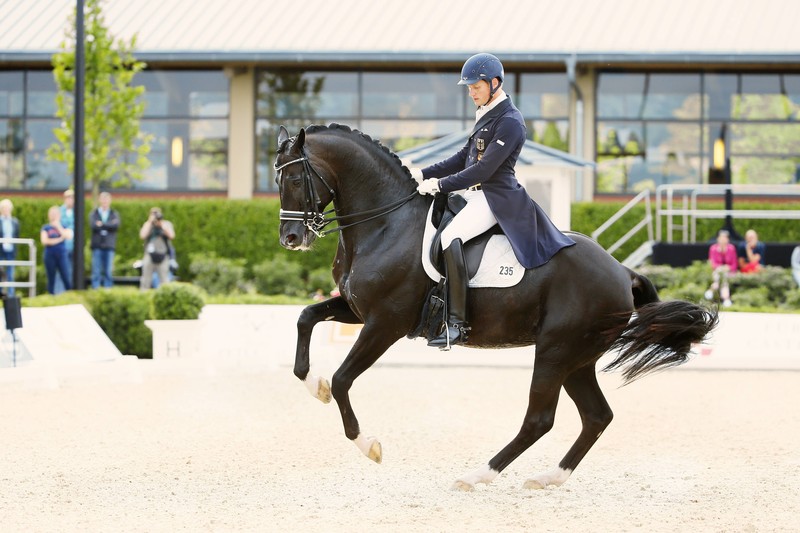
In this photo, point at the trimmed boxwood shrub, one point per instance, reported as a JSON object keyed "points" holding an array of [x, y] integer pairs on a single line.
{"points": [[177, 301], [218, 275], [121, 313], [279, 276]]}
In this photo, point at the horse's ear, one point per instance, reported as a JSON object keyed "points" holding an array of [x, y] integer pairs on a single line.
{"points": [[301, 139], [282, 135]]}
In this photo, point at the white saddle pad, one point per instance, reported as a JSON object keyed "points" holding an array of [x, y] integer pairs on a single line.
{"points": [[499, 266]]}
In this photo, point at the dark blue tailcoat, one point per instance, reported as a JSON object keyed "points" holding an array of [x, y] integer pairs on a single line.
{"points": [[488, 159]]}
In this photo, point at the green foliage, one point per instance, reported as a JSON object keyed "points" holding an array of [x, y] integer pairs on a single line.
{"points": [[177, 301], [121, 313], [691, 292], [662, 276], [752, 297], [770, 289], [320, 279], [65, 298], [218, 275], [235, 229], [792, 300], [115, 149], [279, 276]]}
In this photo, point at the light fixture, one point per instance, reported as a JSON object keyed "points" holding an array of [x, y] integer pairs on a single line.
{"points": [[719, 153], [177, 151]]}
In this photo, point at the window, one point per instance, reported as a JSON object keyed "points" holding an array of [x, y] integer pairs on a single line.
{"points": [[12, 129], [543, 100], [401, 109], [657, 128], [187, 113]]}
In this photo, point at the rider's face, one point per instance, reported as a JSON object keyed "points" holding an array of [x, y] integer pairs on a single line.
{"points": [[479, 92]]}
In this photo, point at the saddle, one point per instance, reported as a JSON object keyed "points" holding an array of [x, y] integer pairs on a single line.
{"points": [[445, 208]]}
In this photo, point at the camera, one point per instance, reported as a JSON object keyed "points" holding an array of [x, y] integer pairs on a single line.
{"points": [[158, 215]]}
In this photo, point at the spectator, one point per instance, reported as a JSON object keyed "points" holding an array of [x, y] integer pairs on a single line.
{"points": [[751, 253], [54, 237], [9, 229], [104, 222], [796, 265], [156, 234], [68, 222], [722, 258]]}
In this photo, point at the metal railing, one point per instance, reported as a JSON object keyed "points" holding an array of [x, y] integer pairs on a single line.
{"points": [[647, 221], [680, 201], [688, 212], [30, 263]]}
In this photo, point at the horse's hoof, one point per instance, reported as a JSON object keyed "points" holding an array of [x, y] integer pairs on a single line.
{"points": [[323, 391], [370, 447], [375, 451], [319, 388], [555, 477], [462, 486], [534, 484]]}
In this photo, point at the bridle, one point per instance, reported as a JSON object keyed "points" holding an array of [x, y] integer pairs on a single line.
{"points": [[313, 218]]}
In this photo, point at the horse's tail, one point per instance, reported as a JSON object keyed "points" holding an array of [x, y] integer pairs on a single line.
{"points": [[660, 335]]}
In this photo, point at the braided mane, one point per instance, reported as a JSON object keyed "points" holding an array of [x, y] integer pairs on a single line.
{"points": [[334, 127]]}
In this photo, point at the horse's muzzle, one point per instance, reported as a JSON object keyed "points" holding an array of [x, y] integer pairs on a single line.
{"points": [[295, 237]]}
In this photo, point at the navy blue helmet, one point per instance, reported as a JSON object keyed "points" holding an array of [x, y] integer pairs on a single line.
{"points": [[481, 67]]}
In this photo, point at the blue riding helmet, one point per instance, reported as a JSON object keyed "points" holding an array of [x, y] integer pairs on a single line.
{"points": [[481, 67]]}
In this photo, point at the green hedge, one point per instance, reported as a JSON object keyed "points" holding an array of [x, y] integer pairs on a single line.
{"points": [[235, 229], [247, 231], [769, 290]]}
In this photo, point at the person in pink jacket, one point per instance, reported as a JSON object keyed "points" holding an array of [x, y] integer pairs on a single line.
{"points": [[722, 258]]}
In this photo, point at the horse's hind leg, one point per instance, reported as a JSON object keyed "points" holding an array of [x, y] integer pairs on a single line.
{"points": [[596, 415], [335, 309], [542, 401]]}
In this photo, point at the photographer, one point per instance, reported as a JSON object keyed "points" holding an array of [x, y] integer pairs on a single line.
{"points": [[156, 234]]}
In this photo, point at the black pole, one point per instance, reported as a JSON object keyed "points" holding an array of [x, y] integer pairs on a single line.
{"points": [[78, 266]]}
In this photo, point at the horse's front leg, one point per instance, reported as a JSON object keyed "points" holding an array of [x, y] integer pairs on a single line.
{"points": [[372, 343], [335, 309]]}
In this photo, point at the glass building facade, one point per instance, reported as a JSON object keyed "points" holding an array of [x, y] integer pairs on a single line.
{"points": [[650, 127], [402, 109], [656, 128], [186, 112]]}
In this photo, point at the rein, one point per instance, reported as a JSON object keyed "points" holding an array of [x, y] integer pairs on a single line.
{"points": [[316, 220]]}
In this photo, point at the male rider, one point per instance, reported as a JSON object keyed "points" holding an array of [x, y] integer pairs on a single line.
{"points": [[483, 172]]}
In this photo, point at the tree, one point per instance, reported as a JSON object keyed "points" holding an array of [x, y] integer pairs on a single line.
{"points": [[115, 149]]}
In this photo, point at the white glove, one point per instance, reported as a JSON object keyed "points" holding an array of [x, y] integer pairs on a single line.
{"points": [[416, 173], [429, 186]]}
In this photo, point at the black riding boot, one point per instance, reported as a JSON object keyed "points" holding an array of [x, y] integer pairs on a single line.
{"points": [[456, 328]]}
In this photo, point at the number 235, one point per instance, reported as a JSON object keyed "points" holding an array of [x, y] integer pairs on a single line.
{"points": [[506, 270]]}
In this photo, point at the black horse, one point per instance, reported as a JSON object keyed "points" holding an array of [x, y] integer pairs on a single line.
{"points": [[574, 309]]}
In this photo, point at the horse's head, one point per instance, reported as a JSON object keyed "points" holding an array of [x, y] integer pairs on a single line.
{"points": [[303, 192]]}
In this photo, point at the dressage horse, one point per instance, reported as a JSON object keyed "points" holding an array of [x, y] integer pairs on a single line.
{"points": [[575, 308]]}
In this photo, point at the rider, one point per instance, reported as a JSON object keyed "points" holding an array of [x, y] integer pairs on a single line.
{"points": [[483, 173]]}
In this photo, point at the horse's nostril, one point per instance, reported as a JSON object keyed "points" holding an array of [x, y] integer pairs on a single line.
{"points": [[291, 238]]}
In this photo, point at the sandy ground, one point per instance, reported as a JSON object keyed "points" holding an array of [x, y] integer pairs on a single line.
{"points": [[251, 450]]}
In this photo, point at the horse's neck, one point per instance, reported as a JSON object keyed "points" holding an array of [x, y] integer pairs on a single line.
{"points": [[367, 186]]}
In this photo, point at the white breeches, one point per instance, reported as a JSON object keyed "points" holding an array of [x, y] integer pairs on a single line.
{"points": [[473, 220]]}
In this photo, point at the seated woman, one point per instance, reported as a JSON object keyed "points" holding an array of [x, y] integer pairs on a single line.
{"points": [[722, 258]]}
